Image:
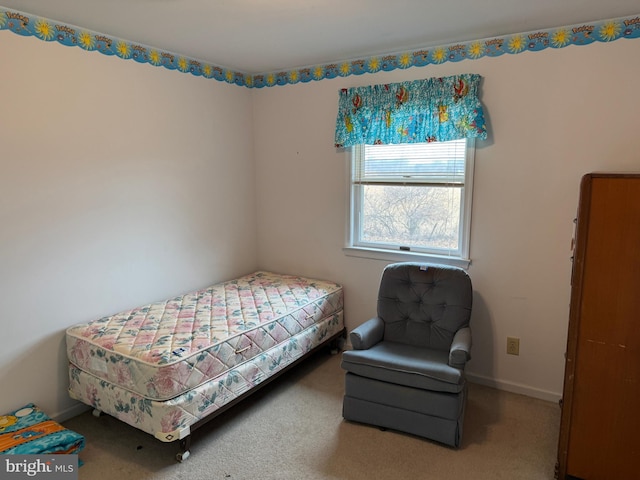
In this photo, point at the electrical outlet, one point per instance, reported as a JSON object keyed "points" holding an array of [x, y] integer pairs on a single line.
{"points": [[513, 346]]}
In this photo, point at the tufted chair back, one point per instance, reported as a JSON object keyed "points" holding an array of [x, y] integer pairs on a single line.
{"points": [[424, 305]]}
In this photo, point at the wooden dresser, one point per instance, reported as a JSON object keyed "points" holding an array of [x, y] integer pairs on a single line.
{"points": [[600, 423]]}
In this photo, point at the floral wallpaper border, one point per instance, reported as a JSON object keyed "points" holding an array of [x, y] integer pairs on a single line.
{"points": [[582, 34]]}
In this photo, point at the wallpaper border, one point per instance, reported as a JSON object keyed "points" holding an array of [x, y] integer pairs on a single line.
{"points": [[580, 34]]}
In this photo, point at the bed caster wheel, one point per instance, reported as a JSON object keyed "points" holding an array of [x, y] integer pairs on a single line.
{"points": [[185, 445], [182, 456], [96, 413]]}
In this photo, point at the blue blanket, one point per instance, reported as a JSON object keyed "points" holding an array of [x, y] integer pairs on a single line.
{"points": [[29, 430]]}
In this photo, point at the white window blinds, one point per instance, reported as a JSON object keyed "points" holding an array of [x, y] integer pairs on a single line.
{"points": [[437, 163]]}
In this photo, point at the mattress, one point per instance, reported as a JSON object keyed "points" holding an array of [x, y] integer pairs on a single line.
{"points": [[167, 349]]}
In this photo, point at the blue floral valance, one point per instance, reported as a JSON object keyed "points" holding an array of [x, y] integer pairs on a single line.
{"points": [[431, 110]]}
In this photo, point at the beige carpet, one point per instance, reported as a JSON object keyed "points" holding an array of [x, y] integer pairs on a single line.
{"points": [[293, 429]]}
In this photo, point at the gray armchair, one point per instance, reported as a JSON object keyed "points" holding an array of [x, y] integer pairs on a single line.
{"points": [[406, 369]]}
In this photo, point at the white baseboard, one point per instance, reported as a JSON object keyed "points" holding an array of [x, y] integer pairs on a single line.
{"points": [[70, 412], [514, 388]]}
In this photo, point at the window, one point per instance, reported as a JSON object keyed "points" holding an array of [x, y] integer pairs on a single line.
{"points": [[412, 199]]}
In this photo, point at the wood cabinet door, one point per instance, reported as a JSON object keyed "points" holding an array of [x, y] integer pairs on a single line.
{"points": [[604, 423]]}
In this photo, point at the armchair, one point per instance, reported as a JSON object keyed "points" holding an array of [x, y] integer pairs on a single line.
{"points": [[406, 369]]}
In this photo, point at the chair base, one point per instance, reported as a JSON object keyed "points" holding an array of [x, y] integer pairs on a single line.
{"points": [[388, 409]]}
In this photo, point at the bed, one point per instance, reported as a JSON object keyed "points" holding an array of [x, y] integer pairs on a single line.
{"points": [[168, 367]]}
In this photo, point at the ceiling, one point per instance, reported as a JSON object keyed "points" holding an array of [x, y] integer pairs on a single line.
{"points": [[259, 36]]}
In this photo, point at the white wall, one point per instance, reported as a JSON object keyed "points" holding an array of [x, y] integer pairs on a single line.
{"points": [[120, 184], [554, 116]]}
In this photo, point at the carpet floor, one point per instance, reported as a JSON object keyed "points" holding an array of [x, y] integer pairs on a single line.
{"points": [[293, 429]]}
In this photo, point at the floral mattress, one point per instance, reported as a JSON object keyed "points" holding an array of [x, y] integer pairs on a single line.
{"points": [[163, 366]]}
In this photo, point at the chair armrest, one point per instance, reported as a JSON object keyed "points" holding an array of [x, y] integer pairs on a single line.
{"points": [[460, 351], [367, 335]]}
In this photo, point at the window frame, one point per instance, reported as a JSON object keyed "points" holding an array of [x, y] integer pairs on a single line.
{"points": [[460, 258]]}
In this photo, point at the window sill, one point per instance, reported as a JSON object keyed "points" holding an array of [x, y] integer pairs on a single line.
{"points": [[387, 255]]}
